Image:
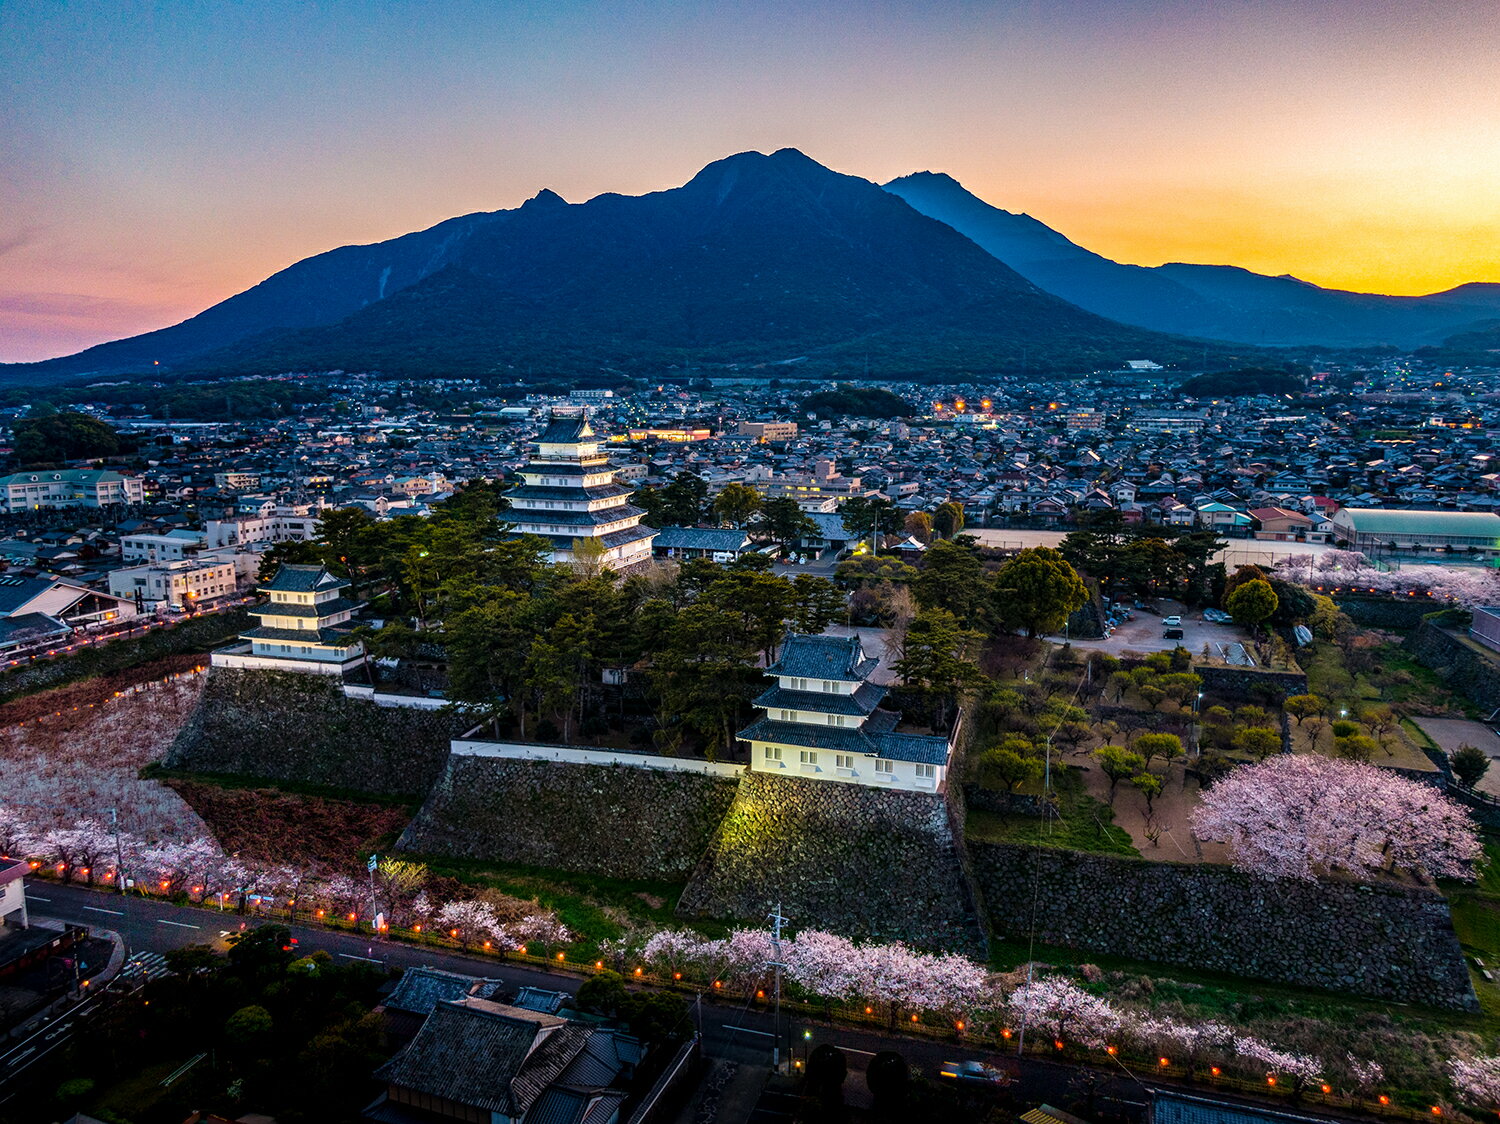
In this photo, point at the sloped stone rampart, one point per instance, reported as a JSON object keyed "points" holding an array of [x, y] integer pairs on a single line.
{"points": [[285, 726], [1384, 942], [616, 820], [869, 863]]}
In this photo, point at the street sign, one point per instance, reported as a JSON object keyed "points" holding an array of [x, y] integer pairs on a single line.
{"points": [[373, 863]]}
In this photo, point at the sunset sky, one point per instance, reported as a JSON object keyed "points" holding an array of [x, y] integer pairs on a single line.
{"points": [[158, 157]]}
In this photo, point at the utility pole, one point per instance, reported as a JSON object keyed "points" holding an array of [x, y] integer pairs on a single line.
{"points": [[374, 861], [114, 826], [777, 921]]}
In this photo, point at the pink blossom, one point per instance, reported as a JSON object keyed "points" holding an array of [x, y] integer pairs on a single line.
{"points": [[1296, 816], [1057, 1006], [1477, 1080]]}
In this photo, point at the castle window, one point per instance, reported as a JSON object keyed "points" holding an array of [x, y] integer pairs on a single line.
{"points": [[884, 766], [773, 753], [843, 760], [807, 756], [926, 772]]}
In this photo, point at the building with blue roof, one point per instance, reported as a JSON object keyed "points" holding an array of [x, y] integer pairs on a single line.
{"points": [[823, 720]]}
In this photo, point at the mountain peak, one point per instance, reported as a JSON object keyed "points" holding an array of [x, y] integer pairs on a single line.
{"points": [[544, 199]]}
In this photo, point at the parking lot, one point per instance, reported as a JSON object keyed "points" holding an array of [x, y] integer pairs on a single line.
{"points": [[1144, 633]]}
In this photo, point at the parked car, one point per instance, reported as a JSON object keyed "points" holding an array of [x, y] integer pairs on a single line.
{"points": [[977, 1073], [1172, 634], [1173, 621]]}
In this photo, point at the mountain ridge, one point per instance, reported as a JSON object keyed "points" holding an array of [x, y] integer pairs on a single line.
{"points": [[756, 259], [1219, 302]]}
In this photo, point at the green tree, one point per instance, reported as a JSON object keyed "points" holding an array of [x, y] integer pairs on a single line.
{"points": [[1356, 747], [1258, 741], [736, 504], [939, 656], [1037, 591], [783, 522], [1151, 746], [248, 1030], [918, 525], [952, 579], [1252, 604], [1150, 786], [1118, 764], [65, 436], [1302, 707], [1469, 764], [948, 519], [816, 603], [1009, 768]]}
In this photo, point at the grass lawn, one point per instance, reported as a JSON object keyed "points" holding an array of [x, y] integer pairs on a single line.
{"points": [[594, 907], [1083, 824]]}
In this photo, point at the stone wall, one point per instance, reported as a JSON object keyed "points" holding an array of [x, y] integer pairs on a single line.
{"points": [[867, 862], [1397, 613], [616, 820], [1466, 666], [282, 726], [1376, 941], [1256, 683]]}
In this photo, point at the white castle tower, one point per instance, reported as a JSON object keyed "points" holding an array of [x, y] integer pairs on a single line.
{"points": [[570, 495]]}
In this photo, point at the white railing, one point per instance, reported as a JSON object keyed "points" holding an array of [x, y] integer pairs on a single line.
{"points": [[579, 755]]}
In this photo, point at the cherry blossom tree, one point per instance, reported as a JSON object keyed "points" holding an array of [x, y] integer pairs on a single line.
{"points": [[1057, 1006], [1297, 816], [1351, 571], [1477, 1080], [1299, 1068]]}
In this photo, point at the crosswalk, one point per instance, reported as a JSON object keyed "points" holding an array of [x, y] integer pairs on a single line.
{"points": [[146, 966]]}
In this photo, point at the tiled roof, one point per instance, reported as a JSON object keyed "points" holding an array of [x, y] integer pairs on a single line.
{"points": [[292, 609], [921, 748], [522, 517], [864, 700], [702, 538], [293, 578], [421, 989], [565, 430], [561, 492], [332, 637], [823, 657], [838, 738], [486, 1055]]}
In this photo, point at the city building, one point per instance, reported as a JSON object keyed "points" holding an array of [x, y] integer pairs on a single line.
{"points": [[173, 546], [478, 1060], [33, 610], [718, 544], [237, 481], [822, 720], [306, 626], [13, 894], [1385, 530], [182, 584], [768, 431], [281, 523], [48, 489], [571, 498]]}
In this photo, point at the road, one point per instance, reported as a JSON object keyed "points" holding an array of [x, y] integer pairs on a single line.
{"points": [[740, 1031]]}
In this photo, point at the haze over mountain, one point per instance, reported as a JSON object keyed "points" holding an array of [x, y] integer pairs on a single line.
{"points": [[756, 260], [1211, 301]]}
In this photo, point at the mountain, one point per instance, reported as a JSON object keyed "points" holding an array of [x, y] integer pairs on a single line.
{"points": [[757, 260], [1212, 301]]}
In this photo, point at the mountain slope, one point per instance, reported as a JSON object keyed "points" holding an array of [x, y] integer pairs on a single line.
{"points": [[317, 290], [1214, 302], [756, 260]]}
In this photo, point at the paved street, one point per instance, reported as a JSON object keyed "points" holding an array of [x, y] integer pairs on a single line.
{"points": [[738, 1031]]}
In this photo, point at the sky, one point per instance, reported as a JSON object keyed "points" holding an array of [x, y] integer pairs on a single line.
{"points": [[156, 158]]}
